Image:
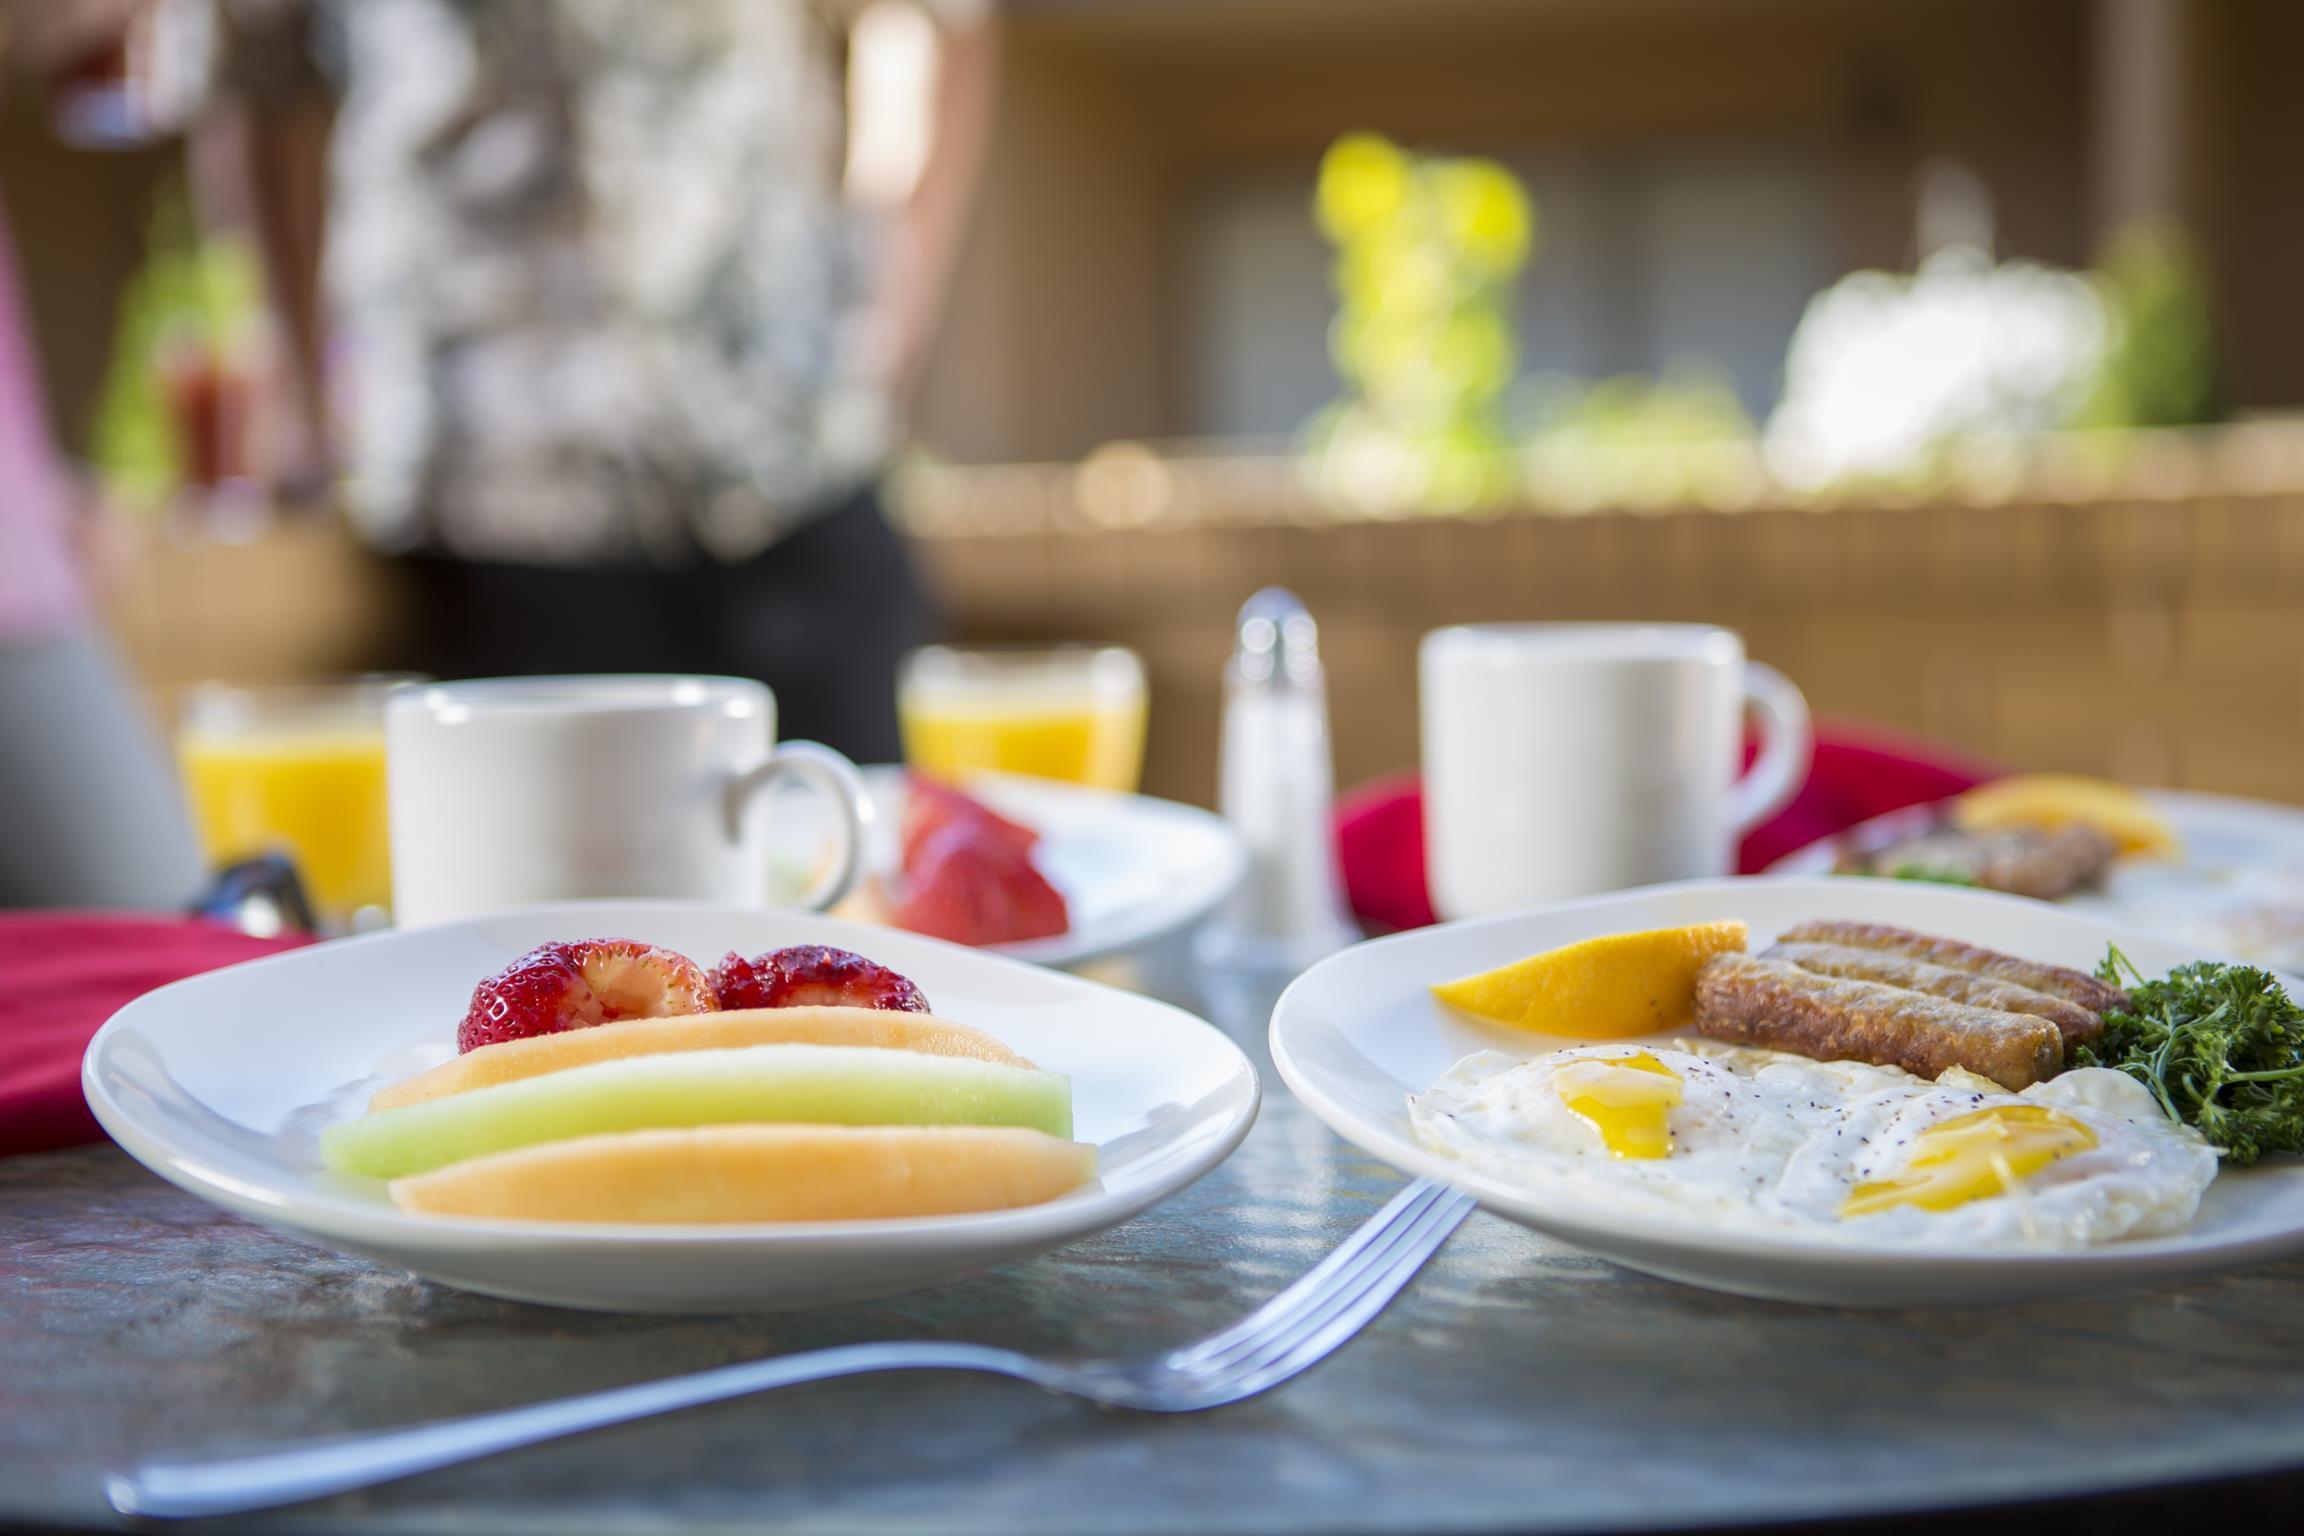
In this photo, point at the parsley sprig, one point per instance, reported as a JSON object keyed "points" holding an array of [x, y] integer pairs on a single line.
{"points": [[2220, 1046], [1934, 874]]}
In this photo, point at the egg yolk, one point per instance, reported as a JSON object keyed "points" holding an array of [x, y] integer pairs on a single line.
{"points": [[1627, 1099], [1974, 1157]]}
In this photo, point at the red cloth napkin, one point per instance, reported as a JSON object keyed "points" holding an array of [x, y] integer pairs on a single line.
{"points": [[67, 973], [1860, 771]]}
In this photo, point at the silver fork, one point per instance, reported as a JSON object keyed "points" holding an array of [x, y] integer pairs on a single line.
{"points": [[1289, 1334]]}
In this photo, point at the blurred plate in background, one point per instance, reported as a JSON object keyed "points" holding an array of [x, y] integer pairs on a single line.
{"points": [[1132, 869], [2237, 888]]}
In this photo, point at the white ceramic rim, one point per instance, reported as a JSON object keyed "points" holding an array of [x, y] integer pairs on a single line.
{"points": [[1507, 645], [582, 693]]}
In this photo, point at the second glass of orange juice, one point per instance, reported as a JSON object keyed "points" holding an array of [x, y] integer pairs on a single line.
{"points": [[1074, 713], [295, 769]]}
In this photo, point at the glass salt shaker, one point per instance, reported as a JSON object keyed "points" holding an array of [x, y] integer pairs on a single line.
{"points": [[1277, 790]]}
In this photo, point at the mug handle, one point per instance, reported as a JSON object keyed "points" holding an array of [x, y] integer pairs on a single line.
{"points": [[1786, 746], [834, 777]]}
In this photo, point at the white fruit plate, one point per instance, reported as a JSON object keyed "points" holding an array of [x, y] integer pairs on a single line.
{"points": [[1359, 1032], [222, 1084]]}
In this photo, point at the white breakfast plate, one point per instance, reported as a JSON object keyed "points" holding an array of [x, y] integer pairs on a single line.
{"points": [[1359, 1032], [222, 1083], [1132, 869], [2237, 887]]}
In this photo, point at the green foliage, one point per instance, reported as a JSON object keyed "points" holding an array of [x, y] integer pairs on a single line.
{"points": [[1691, 403], [1427, 249], [1633, 439], [2220, 1046], [1931, 874], [2160, 367], [193, 293]]}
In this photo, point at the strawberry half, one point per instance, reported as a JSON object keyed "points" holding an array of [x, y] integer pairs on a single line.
{"points": [[576, 985], [930, 807], [814, 975], [970, 885]]}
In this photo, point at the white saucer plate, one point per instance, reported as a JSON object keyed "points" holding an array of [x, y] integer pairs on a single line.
{"points": [[1358, 1033], [223, 1082], [1133, 869]]}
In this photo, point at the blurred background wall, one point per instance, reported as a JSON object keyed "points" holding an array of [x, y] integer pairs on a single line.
{"points": [[1108, 438], [1142, 265]]}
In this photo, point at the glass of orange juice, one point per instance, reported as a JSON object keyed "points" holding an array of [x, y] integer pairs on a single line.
{"points": [[1070, 712], [295, 769]]}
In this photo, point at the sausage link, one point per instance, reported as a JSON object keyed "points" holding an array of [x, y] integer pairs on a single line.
{"points": [[1774, 1003], [2072, 986]]}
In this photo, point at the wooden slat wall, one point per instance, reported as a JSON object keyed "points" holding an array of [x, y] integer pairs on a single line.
{"points": [[2145, 621], [303, 600]]}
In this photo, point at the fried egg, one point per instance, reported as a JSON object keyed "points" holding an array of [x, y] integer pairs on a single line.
{"points": [[1737, 1137]]}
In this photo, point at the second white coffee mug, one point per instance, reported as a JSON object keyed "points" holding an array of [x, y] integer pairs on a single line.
{"points": [[1563, 760], [507, 791]]}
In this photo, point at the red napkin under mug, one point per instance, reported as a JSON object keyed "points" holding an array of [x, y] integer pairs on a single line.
{"points": [[1859, 772]]}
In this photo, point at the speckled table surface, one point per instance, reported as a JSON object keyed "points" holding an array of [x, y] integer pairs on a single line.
{"points": [[1518, 1386]]}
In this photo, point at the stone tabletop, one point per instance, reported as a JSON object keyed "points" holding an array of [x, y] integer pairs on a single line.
{"points": [[1518, 1386]]}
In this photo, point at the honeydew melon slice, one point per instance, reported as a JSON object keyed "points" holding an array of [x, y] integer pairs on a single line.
{"points": [[758, 1173], [878, 1028], [809, 1084]]}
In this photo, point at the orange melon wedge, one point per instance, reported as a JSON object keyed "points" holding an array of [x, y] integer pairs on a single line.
{"points": [[512, 1060], [1608, 988], [730, 1173]]}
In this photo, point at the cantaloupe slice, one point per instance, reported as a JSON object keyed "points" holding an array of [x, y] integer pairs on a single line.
{"points": [[877, 1028], [809, 1084], [758, 1173]]}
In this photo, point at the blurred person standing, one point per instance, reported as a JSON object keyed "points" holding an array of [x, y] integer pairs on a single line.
{"points": [[93, 816], [625, 303]]}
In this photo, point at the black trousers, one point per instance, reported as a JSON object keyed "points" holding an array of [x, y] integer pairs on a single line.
{"points": [[820, 617]]}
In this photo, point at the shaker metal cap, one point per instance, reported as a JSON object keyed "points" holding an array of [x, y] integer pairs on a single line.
{"points": [[1277, 641]]}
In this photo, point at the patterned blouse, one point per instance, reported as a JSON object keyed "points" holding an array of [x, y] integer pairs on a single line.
{"points": [[596, 296]]}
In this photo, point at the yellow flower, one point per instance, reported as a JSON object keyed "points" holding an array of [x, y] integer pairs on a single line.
{"points": [[1474, 350], [1484, 212], [1363, 182]]}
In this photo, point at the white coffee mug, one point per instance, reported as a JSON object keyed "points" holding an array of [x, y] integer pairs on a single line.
{"points": [[1563, 760], [513, 790]]}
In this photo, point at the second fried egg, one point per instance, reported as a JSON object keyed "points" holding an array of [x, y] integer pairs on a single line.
{"points": [[1856, 1153]]}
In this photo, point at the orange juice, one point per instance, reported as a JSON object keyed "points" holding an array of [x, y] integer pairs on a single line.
{"points": [[315, 792], [1097, 745], [1071, 714]]}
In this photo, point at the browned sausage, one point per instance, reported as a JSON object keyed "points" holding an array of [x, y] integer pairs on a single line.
{"points": [[1976, 960], [1774, 1003], [2040, 862], [2072, 1020]]}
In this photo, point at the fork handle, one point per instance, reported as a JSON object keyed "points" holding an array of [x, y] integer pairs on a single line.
{"points": [[183, 1487]]}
